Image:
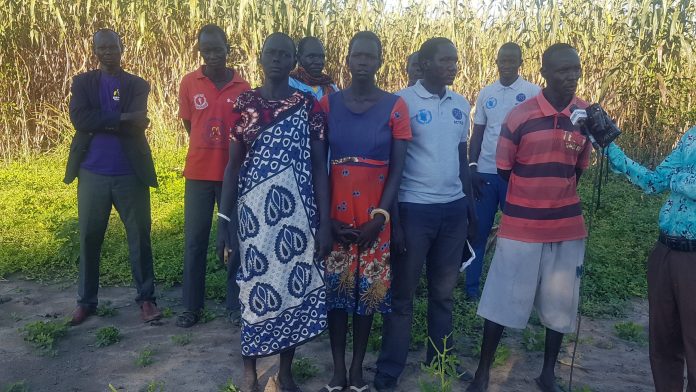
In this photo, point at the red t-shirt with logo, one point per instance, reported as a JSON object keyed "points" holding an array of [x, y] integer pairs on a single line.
{"points": [[543, 149], [210, 112]]}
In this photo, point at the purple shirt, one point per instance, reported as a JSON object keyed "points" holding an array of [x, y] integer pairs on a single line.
{"points": [[105, 155]]}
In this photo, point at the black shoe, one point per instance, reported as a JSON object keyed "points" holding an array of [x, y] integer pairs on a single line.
{"points": [[384, 382], [187, 319]]}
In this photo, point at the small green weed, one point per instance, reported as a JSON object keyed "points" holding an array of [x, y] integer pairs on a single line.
{"points": [[533, 339], [44, 335], [106, 310], [207, 316], [304, 369], [145, 358], [631, 332], [107, 336], [229, 387], [19, 386], [167, 312], [15, 316], [153, 386], [182, 340], [442, 371]]}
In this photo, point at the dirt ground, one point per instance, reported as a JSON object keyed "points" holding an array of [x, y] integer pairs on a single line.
{"points": [[605, 363]]}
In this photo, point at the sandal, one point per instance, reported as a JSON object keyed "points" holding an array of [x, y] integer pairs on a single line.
{"points": [[187, 319], [364, 388], [329, 388]]}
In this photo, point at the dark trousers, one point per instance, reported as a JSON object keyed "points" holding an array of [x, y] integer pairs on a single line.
{"points": [[435, 235], [95, 196], [672, 299], [492, 196], [200, 198]]}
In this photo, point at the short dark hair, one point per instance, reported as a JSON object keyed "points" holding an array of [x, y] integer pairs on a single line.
{"points": [[212, 29], [429, 48], [553, 49], [368, 35], [512, 46], [106, 30], [304, 41], [283, 35]]}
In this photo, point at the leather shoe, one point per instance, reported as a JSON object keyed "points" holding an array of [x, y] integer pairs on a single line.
{"points": [[149, 311], [80, 315], [384, 382]]}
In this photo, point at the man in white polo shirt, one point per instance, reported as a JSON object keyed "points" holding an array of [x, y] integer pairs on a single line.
{"points": [[435, 213], [492, 106]]}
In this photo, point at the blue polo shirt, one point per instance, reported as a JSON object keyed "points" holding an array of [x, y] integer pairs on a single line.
{"points": [[439, 125]]}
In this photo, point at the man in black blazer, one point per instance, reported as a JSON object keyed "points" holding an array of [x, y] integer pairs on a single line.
{"points": [[111, 157]]}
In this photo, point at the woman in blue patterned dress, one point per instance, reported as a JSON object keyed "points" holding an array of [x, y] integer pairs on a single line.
{"points": [[274, 209]]}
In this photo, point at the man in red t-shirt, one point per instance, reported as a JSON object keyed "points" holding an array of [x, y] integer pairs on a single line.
{"points": [[206, 99], [541, 241]]}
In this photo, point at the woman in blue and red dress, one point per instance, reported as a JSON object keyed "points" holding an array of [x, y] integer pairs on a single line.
{"points": [[368, 133]]}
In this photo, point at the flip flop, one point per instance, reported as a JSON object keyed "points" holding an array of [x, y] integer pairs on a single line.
{"points": [[364, 388], [329, 388], [545, 388]]}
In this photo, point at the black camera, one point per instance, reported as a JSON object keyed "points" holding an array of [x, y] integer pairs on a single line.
{"points": [[599, 126]]}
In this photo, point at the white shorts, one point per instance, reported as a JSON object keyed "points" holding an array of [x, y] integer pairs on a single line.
{"points": [[545, 276]]}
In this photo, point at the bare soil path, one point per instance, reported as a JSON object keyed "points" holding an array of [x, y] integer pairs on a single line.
{"points": [[211, 359]]}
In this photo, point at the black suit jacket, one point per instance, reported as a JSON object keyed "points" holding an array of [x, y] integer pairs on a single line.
{"points": [[88, 118]]}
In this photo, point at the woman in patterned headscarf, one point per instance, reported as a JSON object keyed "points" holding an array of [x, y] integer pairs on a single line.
{"points": [[309, 75]]}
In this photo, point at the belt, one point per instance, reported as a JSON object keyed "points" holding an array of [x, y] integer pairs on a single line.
{"points": [[680, 244], [358, 160]]}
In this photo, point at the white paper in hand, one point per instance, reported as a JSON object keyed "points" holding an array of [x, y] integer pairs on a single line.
{"points": [[470, 260]]}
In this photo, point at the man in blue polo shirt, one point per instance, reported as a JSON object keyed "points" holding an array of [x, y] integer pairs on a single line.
{"points": [[435, 213], [492, 106]]}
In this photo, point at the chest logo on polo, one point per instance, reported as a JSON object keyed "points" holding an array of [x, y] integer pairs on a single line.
{"points": [[200, 102], [424, 116], [458, 116], [117, 95], [491, 103], [520, 97]]}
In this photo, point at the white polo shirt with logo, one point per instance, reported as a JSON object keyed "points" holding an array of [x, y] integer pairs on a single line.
{"points": [[439, 125], [492, 106]]}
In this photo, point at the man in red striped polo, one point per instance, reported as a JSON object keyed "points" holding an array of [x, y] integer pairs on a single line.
{"points": [[541, 241]]}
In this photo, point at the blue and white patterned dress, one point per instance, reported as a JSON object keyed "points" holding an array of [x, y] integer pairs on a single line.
{"points": [[281, 284]]}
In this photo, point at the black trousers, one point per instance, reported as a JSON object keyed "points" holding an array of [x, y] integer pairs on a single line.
{"points": [[131, 197], [435, 236], [672, 299], [200, 198]]}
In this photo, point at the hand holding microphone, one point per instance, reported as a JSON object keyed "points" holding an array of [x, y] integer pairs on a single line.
{"points": [[596, 124]]}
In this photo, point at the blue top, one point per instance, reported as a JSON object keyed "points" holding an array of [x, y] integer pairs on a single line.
{"points": [[317, 91], [364, 135], [105, 155], [676, 173]]}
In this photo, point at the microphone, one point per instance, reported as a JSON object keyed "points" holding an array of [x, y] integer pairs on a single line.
{"points": [[578, 117]]}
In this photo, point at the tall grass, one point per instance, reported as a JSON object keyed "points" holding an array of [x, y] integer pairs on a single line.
{"points": [[638, 55]]}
